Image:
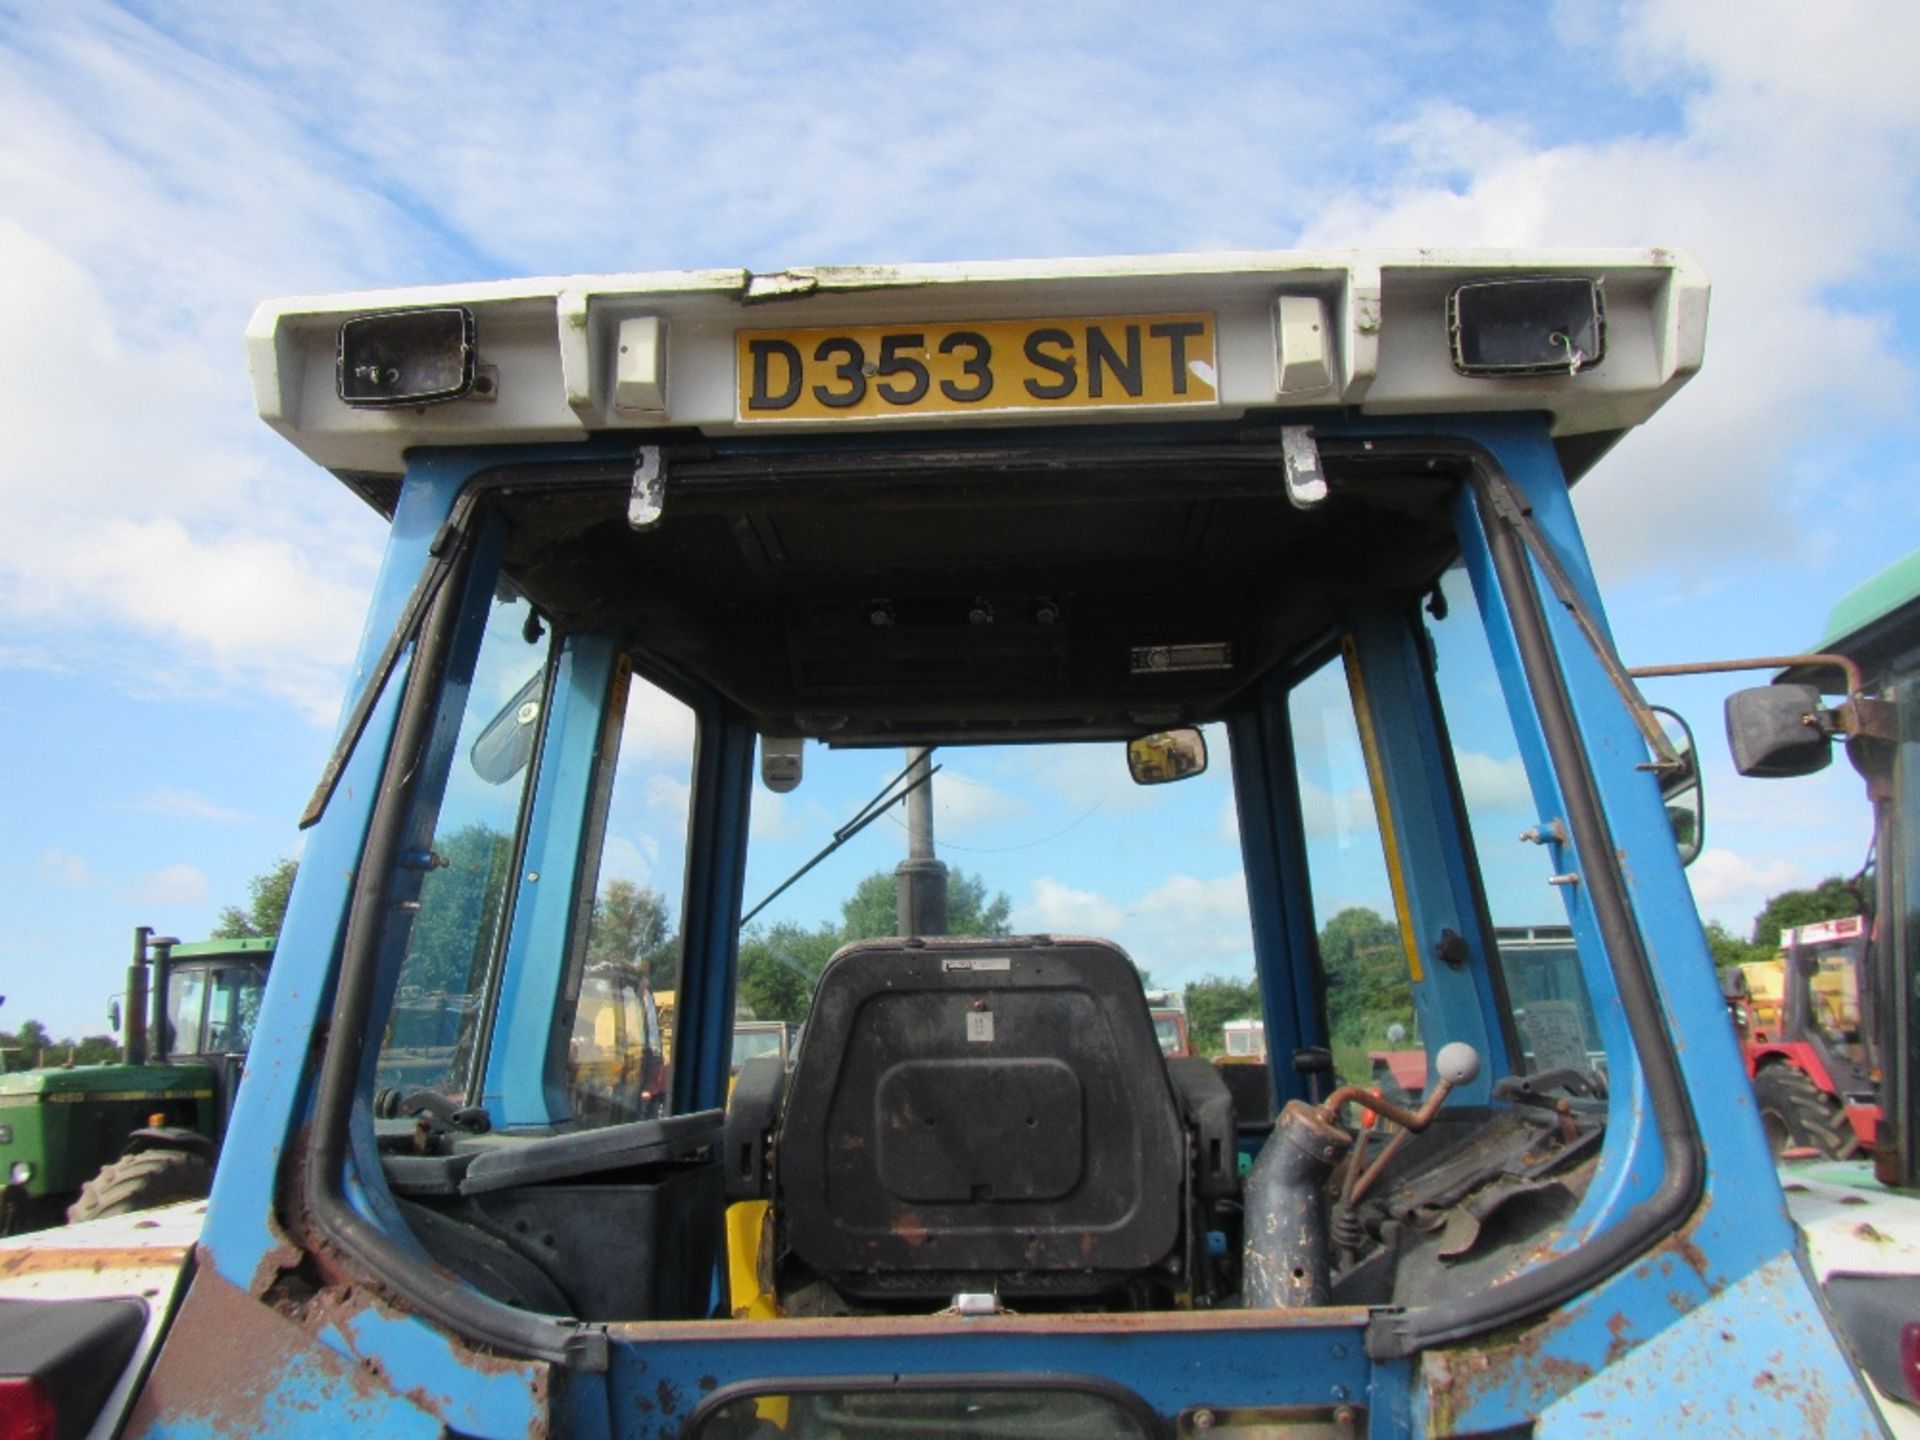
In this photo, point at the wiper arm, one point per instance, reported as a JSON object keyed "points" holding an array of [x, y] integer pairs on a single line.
{"points": [[443, 553], [868, 813], [1513, 508]]}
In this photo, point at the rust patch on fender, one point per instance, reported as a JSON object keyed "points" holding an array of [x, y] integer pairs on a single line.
{"points": [[196, 1375], [668, 1395], [1617, 1326]]}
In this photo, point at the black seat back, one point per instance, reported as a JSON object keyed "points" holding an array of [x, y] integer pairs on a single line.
{"points": [[991, 1114]]}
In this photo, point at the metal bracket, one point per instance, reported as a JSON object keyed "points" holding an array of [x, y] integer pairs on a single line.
{"points": [[1867, 718], [1300, 460], [649, 499]]}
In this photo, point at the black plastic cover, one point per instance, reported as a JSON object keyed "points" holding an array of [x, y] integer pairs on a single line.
{"points": [[1207, 1107], [1872, 1311], [76, 1348], [505, 1162], [968, 1107], [751, 1109]]}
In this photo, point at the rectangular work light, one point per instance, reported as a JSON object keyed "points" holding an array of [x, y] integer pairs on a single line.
{"points": [[1539, 326], [405, 357]]}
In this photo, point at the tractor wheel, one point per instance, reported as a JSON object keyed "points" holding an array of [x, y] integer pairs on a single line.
{"points": [[1799, 1115], [142, 1181]]}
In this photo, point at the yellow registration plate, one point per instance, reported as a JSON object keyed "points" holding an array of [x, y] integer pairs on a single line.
{"points": [[864, 372]]}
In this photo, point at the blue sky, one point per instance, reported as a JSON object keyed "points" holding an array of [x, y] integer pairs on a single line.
{"points": [[180, 593]]}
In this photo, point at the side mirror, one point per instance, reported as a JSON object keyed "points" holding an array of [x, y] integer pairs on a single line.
{"points": [[1166, 755], [1680, 789], [113, 1015], [1776, 732]]}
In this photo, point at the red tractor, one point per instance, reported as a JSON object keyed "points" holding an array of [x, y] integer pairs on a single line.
{"points": [[1806, 1022]]}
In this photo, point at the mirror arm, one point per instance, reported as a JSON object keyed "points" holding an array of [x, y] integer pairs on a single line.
{"points": [[1858, 715]]}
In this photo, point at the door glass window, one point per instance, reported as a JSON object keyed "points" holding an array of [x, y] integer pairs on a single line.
{"points": [[1553, 1013], [619, 1063], [434, 1028], [186, 998], [1369, 995], [233, 1007]]}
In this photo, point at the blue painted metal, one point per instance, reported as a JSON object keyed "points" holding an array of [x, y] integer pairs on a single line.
{"points": [[1273, 848], [242, 1245], [1660, 1331], [1754, 1357], [523, 1083], [716, 868], [656, 1382], [1454, 1003]]}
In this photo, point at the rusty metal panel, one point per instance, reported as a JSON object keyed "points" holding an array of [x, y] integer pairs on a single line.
{"points": [[143, 1256]]}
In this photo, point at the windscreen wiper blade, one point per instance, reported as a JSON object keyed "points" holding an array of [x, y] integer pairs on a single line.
{"points": [[868, 813], [447, 546]]}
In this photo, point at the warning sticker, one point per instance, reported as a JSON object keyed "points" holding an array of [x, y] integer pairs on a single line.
{"points": [[979, 1025]]}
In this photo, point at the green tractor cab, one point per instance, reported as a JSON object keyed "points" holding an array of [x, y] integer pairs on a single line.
{"points": [[83, 1141]]}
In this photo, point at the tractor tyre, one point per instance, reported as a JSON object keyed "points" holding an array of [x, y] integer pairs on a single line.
{"points": [[1799, 1115], [142, 1181]]}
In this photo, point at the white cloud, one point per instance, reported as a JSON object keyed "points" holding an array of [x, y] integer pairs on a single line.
{"points": [[1052, 908], [65, 869], [964, 805], [1490, 784], [658, 730], [670, 797], [1230, 821], [1732, 888], [1183, 928], [187, 805], [772, 820], [1793, 173], [172, 885], [1343, 815], [625, 857]]}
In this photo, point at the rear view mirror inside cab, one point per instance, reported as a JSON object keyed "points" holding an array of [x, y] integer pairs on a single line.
{"points": [[1166, 755]]}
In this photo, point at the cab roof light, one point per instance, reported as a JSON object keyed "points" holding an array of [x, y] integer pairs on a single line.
{"points": [[405, 357], [1544, 325]]}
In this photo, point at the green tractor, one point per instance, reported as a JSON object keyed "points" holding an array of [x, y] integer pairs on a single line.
{"points": [[82, 1141]]}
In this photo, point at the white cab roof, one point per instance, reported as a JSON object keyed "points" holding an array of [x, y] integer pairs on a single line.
{"points": [[550, 347]]}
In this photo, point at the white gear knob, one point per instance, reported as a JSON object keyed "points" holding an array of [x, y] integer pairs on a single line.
{"points": [[1457, 1063]]}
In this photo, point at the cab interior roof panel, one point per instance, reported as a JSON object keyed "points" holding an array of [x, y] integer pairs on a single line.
{"points": [[911, 602]]}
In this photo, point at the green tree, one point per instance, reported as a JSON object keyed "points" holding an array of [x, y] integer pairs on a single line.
{"points": [[459, 908], [96, 1050], [25, 1045], [1211, 1002], [1832, 899], [630, 926], [873, 910], [266, 906], [1730, 951], [780, 965], [1368, 988]]}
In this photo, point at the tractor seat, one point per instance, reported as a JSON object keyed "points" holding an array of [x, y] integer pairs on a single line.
{"points": [[978, 1115]]}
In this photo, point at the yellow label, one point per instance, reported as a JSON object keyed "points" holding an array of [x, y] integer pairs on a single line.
{"points": [[870, 372]]}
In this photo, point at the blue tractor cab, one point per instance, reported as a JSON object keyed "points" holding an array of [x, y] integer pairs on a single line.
{"points": [[671, 554]]}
